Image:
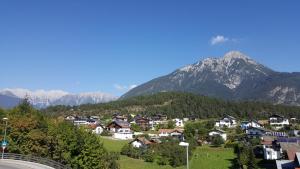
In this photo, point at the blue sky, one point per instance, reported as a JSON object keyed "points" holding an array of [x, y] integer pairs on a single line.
{"points": [[108, 46]]}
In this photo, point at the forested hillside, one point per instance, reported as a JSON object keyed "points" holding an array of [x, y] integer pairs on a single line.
{"points": [[180, 105]]}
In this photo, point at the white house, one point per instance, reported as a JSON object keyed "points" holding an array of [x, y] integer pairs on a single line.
{"points": [[218, 132], [272, 151], [178, 122], [120, 129], [278, 122], [123, 134], [252, 123], [98, 129], [70, 118], [227, 121], [140, 142], [170, 132]]}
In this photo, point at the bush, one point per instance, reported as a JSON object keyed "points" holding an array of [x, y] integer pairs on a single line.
{"points": [[148, 156], [230, 144], [217, 140], [162, 160]]}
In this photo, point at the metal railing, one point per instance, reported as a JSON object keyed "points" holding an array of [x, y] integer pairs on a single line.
{"points": [[39, 160]]}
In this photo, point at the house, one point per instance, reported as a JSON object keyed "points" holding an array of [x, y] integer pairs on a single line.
{"points": [[289, 164], [227, 121], [178, 122], [159, 117], [143, 123], [278, 122], [178, 133], [120, 129], [117, 117], [97, 129], [218, 132], [272, 151], [256, 132], [123, 134], [84, 121], [70, 118], [115, 125], [156, 120], [252, 123], [140, 142]]}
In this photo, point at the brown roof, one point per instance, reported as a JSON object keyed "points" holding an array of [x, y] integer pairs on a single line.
{"points": [[291, 149], [263, 122], [143, 140], [170, 130], [122, 124]]}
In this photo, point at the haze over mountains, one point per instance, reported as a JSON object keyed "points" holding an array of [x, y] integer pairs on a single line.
{"points": [[235, 76], [42, 98]]}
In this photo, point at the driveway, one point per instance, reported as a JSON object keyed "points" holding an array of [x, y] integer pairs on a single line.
{"points": [[17, 164]]}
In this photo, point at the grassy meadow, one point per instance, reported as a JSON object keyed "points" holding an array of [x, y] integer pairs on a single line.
{"points": [[203, 158]]}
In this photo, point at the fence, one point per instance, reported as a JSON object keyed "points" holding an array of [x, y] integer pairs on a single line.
{"points": [[39, 160]]}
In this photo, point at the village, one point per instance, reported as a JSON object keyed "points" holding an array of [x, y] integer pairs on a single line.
{"points": [[276, 141]]}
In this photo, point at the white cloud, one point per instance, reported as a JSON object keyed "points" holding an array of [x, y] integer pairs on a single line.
{"points": [[218, 39], [132, 86], [124, 88]]}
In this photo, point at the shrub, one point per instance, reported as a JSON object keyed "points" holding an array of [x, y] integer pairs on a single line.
{"points": [[217, 140], [162, 160]]}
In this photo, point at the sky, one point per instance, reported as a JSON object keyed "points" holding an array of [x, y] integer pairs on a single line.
{"points": [[112, 46]]}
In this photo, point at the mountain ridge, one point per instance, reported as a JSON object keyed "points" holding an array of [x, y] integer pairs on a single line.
{"points": [[43, 98], [235, 76]]}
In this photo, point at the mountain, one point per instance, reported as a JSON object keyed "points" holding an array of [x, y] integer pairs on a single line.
{"points": [[235, 76], [42, 98], [7, 101]]}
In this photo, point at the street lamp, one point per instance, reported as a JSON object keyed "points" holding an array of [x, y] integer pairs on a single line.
{"points": [[185, 144], [4, 140]]}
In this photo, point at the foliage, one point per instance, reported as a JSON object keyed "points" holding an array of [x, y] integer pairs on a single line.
{"points": [[135, 127], [31, 132], [171, 124], [246, 155], [217, 141]]}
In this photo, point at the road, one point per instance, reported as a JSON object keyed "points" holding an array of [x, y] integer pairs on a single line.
{"points": [[17, 164]]}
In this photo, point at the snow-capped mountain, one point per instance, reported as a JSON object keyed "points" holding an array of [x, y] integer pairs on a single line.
{"points": [[43, 98], [235, 76]]}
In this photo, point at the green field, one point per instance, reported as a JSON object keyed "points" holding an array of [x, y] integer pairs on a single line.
{"points": [[203, 158], [130, 163], [113, 145], [212, 158]]}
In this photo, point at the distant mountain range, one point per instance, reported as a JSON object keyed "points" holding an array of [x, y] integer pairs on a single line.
{"points": [[41, 98], [234, 76]]}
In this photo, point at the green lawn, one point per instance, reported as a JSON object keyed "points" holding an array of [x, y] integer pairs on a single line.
{"points": [[113, 145], [203, 158], [130, 163], [212, 158]]}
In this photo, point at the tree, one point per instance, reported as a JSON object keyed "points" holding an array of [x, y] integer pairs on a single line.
{"points": [[93, 155], [217, 140], [171, 124], [136, 127]]}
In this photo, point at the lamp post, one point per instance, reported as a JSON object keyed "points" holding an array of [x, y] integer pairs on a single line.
{"points": [[185, 144], [4, 140]]}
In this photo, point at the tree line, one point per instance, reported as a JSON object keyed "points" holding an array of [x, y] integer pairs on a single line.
{"points": [[175, 104]]}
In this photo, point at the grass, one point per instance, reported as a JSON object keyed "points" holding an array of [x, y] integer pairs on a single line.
{"points": [[212, 158], [113, 145], [203, 157], [130, 163]]}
